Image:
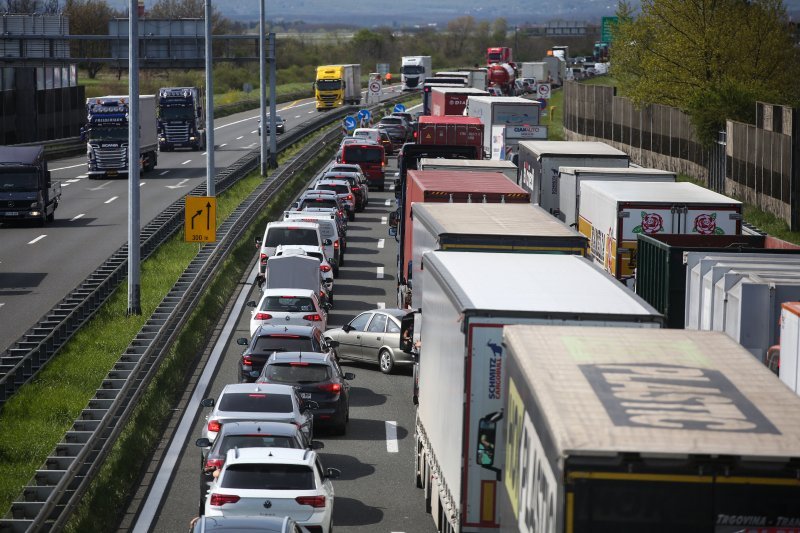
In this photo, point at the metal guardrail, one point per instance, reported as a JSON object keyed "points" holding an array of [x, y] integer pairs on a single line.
{"points": [[50, 496]]}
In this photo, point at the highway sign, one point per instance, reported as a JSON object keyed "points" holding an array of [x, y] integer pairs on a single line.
{"points": [[200, 223], [543, 90], [364, 114], [607, 28], [399, 108], [542, 103], [349, 123], [375, 87]]}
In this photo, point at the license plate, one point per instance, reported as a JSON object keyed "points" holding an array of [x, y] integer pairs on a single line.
{"points": [[12, 213], [112, 172], [305, 395]]}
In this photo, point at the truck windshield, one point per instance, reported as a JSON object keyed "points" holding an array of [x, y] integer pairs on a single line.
{"points": [[495, 56], [412, 69], [176, 113], [329, 85], [363, 154], [17, 180], [109, 133]]}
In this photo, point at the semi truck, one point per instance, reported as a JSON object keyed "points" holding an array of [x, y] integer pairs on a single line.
{"points": [[450, 130], [539, 162], [536, 70], [613, 213], [502, 78], [475, 78], [106, 134], [508, 168], [337, 85], [27, 191], [181, 121], [468, 299], [621, 429], [506, 228], [451, 100], [414, 70], [432, 83], [499, 54], [501, 111], [444, 186]]}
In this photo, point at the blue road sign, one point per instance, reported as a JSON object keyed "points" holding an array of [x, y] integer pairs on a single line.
{"points": [[399, 108], [349, 123], [542, 103], [364, 114]]}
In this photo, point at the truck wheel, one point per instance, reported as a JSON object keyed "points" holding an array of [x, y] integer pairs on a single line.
{"points": [[386, 360]]}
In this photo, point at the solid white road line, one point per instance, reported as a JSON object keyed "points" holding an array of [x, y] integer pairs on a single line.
{"points": [[72, 181], [240, 137], [173, 453], [66, 184], [384, 220], [76, 217], [164, 173], [381, 243], [65, 168], [380, 272], [381, 305], [391, 437], [37, 239], [82, 176], [186, 162], [111, 199]]}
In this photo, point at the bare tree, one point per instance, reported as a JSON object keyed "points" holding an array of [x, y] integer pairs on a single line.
{"points": [[89, 17]]}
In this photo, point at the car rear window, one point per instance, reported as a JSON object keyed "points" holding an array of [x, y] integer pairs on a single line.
{"points": [[364, 154], [256, 441], [318, 202], [339, 189], [297, 373], [283, 343], [288, 235], [392, 121], [268, 477], [256, 402], [287, 304]]}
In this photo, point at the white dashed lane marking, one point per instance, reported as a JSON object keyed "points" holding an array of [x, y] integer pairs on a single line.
{"points": [[381, 243], [381, 305], [163, 173], [76, 217], [380, 272], [186, 162], [111, 199], [37, 239], [387, 202], [240, 137], [391, 437], [384, 220]]}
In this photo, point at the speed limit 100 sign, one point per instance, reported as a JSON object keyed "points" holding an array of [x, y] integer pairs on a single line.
{"points": [[543, 90]]}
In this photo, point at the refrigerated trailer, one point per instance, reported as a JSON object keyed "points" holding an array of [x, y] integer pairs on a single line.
{"points": [[621, 429]]}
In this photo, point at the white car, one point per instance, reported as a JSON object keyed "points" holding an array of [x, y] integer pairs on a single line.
{"points": [[299, 307], [326, 270], [259, 401], [275, 482], [370, 134]]}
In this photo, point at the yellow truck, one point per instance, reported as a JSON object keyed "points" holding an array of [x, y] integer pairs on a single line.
{"points": [[337, 85]]}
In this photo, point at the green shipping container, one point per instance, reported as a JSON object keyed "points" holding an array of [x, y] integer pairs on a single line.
{"points": [[661, 267]]}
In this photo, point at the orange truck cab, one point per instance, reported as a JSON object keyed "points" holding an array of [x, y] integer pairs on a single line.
{"points": [[372, 160]]}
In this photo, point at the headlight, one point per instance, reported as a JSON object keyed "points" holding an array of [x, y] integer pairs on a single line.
{"points": [[192, 138]]}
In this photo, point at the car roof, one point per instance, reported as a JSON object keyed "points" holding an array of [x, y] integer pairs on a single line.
{"points": [[317, 192], [299, 357], [292, 223], [370, 130], [271, 456], [350, 165], [332, 182], [397, 313], [282, 292], [249, 427], [269, 388], [265, 330], [265, 524]]}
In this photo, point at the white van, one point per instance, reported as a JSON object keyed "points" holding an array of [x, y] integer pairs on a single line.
{"points": [[328, 230], [288, 232], [371, 134]]}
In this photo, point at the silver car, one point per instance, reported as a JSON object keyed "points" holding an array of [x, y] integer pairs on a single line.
{"points": [[372, 336]]}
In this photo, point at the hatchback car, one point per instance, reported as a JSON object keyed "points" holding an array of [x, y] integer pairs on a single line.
{"points": [[261, 402], [343, 191], [300, 307], [358, 184], [312, 200], [317, 377], [238, 524], [293, 482], [372, 336], [270, 339]]}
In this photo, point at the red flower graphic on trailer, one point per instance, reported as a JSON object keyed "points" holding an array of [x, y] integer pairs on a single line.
{"points": [[707, 225], [651, 223]]}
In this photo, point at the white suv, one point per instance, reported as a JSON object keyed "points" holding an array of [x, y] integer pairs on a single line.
{"points": [[287, 232], [299, 307], [275, 482]]}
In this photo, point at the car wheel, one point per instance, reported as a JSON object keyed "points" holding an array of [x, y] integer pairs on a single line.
{"points": [[386, 360]]}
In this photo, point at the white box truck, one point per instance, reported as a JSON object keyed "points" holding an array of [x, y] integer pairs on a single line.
{"points": [[536, 70], [612, 429], [414, 70], [613, 213], [539, 162], [508, 168], [501, 111], [788, 364], [468, 298], [569, 190]]}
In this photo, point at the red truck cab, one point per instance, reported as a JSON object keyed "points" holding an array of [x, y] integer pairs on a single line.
{"points": [[372, 160], [498, 54]]}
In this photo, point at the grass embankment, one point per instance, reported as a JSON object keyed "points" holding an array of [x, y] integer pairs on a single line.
{"points": [[36, 418]]}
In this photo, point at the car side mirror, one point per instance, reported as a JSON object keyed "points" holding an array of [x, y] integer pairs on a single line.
{"points": [[333, 473], [347, 328], [251, 303], [242, 341], [202, 443], [333, 344], [317, 445], [207, 402], [327, 242], [258, 243], [349, 376]]}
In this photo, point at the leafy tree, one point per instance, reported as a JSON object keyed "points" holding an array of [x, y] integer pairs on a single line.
{"points": [[89, 17], [711, 58]]}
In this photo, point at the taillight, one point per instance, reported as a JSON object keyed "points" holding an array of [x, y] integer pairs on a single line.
{"points": [[247, 360], [262, 316], [214, 425], [325, 268], [315, 317], [213, 464], [218, 500], [330, 387], [313, 501], [349, 196], [336, 244], [263, 256], [415, 134]]}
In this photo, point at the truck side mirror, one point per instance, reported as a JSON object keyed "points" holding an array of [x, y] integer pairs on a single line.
{"points": [[407, 332], [394, 217], [392, 231], [48, 179], [487, 436]]}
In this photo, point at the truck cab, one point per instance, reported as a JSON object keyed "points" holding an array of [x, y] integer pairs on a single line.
{"points": [[181, 123], [26, 188]]}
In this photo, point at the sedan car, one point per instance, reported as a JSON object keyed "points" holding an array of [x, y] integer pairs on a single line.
{"points": [[280, 124], [372, 336], [258, 403], [298, 307], [317, 377]]}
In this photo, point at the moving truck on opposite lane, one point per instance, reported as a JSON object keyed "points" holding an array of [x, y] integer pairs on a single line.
{"points": [[621, 429]]}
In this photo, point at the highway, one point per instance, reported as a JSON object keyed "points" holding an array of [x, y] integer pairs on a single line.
{"points": [[376, 491], [39, 266]]}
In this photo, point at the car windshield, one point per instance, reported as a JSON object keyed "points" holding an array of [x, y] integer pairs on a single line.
{"points": [[176, 113], [298, 373], [268, 477], [256, 441], [109, 133], [18, 181], [287, 304], [280, 342], [256, 402], [288, 235], [364, 154], [317, 203], [339, 189]]}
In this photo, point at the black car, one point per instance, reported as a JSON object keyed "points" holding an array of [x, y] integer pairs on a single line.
{"points": [[280, 124], [269, 339], [318, 378], [397, 129], [246, 435], [358, 184], [411, 122]]}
